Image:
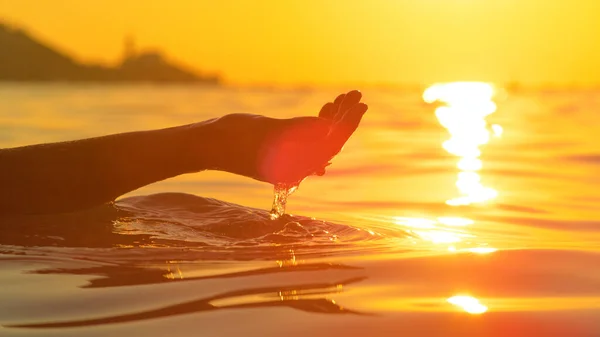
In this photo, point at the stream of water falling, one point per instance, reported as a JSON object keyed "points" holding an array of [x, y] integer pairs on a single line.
{"points": [[281, 193]]}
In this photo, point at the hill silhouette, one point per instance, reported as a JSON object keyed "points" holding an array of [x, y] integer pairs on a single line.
{"points": [[24, 58]]}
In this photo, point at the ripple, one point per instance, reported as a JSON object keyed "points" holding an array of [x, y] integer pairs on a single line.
{"points": [[186, 227], [187, 218]]}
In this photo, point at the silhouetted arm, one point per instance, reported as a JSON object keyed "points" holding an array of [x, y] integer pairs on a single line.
{"points": [[68, 176]]}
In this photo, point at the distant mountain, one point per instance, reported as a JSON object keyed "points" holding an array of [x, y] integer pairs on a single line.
{"points": [[23, 58]]}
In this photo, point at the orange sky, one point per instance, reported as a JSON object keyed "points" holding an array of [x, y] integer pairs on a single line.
{"points": [[331, 41]]}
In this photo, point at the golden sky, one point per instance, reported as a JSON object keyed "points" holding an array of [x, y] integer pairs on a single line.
{"points": [[335, 41]]}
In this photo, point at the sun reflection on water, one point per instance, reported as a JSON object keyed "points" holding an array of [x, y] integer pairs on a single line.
{"points": [[468, 303], [463, 111], [443, 230], [465, 107]]}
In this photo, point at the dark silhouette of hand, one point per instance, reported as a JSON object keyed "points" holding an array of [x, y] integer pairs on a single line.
{"points": [[68, 176], [285, 150]]}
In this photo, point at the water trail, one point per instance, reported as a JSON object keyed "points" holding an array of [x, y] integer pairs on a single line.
{"points": [[281, 192]]}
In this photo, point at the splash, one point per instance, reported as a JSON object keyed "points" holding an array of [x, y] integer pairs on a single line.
{"points": [[281, 193]]}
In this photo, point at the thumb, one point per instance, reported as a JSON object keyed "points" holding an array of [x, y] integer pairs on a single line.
{"points": [[346, 126]]}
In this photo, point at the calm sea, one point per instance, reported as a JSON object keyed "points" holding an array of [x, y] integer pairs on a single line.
{"points": [[478, 216]]}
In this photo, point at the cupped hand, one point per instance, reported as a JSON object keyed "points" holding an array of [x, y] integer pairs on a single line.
{"points": [[286, 150]]}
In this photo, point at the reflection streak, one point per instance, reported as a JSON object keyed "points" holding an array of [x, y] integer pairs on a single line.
{"points": [[465, 107], [443, 230], [468, 303]]}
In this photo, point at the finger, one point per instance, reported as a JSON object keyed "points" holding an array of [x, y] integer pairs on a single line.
{"points": [[328, 111], [352, 117], [321, 171], [317, 172], [352, 98], [305, 129], [338, 100], [347, 124]]}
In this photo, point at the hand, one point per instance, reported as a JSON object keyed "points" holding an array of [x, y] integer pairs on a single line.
{"points": [[285, 150], [66, 176]]}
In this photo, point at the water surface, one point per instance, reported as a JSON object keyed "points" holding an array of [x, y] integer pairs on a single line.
{"points": [[477, 216]]}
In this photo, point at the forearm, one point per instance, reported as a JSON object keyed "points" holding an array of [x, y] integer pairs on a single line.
{"points": [[61, 177]]}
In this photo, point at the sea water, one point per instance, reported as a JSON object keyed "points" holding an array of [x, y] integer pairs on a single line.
{"points": [[376, 247], [281, 192]]}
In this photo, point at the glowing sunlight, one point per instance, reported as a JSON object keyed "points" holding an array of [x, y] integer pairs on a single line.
{"points": [[444, 231], [462, 110], [468, 303], [246, 168], [465, 105]]}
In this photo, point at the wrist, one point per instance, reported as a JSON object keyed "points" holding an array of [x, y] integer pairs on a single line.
{"points": [[211, 145], [224, 144]]}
